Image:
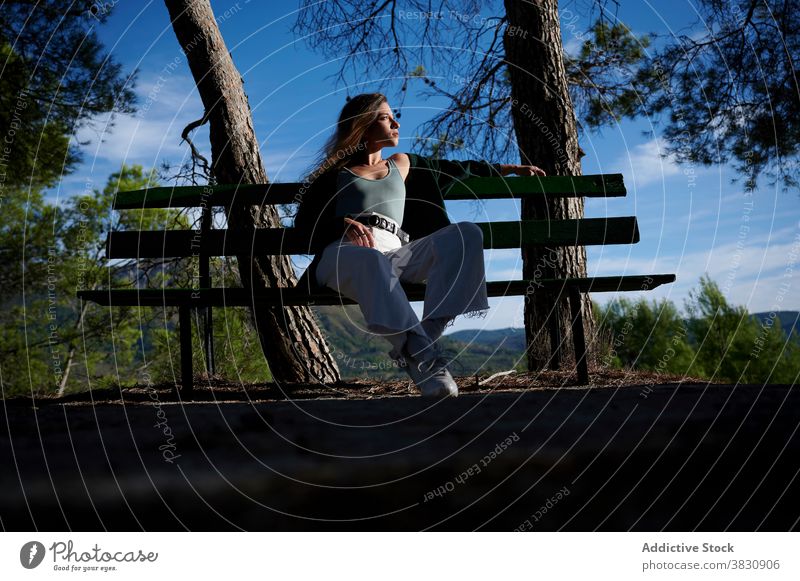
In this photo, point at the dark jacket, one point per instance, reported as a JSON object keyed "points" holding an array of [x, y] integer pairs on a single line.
{"points": [[427, 182]]}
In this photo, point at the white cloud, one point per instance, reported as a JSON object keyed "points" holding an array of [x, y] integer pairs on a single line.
{"points": [[134, 140], [152, 134], [646, 163], [573, 46], [749, 270], [756, 255]]}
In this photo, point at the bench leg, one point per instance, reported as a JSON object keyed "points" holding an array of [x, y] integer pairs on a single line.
{"points": [[208, 341], [578, 337], [185, 323], [205, 282], [555, 338]]}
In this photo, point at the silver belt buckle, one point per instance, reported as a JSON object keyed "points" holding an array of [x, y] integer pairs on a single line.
{"points": [[377, 221], [382, 223]]}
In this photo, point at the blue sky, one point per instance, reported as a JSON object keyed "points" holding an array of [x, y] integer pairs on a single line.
{"points": [[693, 220]]}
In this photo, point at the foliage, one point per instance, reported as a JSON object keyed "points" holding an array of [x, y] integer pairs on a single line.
{"points": [[413, 45], [56, 78], [35, 149], [735, 346], [726, 91], [604, 76], [475, 78], [732, 93], [646, 335], [50, 253], [238, 356], [718, 341], [50, 341]]}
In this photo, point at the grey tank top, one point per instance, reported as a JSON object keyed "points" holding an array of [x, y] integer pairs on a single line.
{"points": [[358, 195]]}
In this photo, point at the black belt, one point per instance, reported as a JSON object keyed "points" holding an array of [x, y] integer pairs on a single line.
{"points": [[380, 222]]}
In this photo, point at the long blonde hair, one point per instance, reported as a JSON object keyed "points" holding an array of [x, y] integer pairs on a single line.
{"points": [[356, 116]]}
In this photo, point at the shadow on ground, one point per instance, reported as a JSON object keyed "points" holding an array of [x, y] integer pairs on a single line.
{"points": [[514, 453]]}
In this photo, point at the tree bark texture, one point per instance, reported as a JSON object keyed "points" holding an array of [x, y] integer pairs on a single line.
{"points": [[546, 131], [290, 337]]}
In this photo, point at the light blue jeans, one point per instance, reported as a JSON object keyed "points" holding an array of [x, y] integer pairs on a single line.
{"points": [[449, 261]]}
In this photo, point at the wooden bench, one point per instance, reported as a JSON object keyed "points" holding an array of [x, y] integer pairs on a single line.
{"points": [[497, 235]]}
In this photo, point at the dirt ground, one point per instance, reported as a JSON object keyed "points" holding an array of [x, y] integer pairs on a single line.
{"points": [[514, 452], [219, 390]]}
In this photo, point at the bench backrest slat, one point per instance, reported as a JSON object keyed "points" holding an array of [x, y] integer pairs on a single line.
{"points": [[603, 186], [184, 243]]}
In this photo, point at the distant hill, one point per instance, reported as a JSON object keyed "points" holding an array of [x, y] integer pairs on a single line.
{"points": [[360, 355], [790, 321], [506, 338]]}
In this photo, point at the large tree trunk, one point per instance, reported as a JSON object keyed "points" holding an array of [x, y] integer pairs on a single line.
{"points": [[290, 338], [546, 131]]}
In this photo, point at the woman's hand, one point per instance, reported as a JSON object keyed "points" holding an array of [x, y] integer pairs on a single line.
{"points": [[359, 234], [522, 170]]}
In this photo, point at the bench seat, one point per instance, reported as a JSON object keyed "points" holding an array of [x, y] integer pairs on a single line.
{"points": [[240, 297]]}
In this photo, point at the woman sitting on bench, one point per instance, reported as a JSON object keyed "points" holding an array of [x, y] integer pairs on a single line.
{"points": [[368, 235]]}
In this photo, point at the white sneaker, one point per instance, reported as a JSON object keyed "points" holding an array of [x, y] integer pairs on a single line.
{"points": [[430, 374]]}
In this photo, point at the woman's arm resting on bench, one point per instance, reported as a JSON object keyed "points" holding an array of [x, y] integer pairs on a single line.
{"points": [[521, 170]]}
